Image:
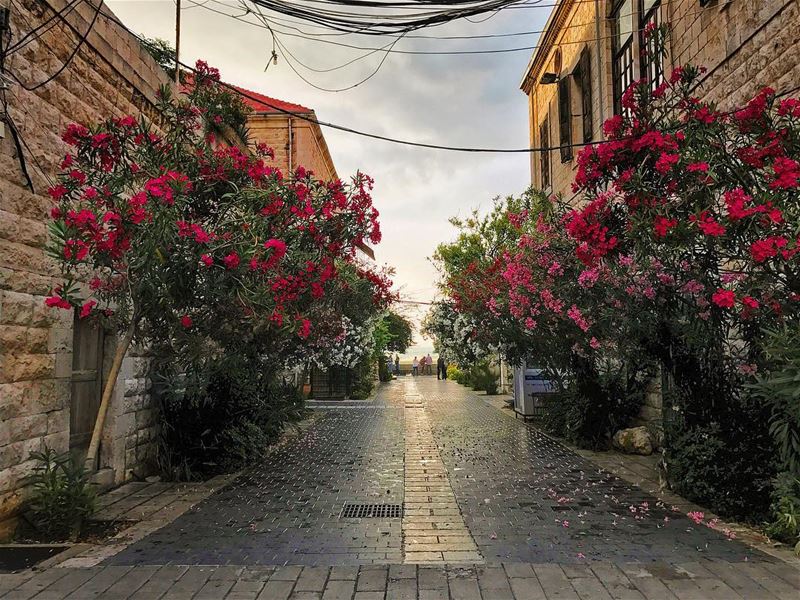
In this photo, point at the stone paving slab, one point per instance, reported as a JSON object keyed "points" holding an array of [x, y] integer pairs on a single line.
{"points": [[524, 496], [702, 580], [286, 510], [476, 485]]}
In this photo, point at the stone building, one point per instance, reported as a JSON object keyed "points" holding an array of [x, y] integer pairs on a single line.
{"points": [[591, 51], [52, 364], [296, 139]]}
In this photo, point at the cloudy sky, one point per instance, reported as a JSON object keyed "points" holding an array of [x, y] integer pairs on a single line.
{"points": [[456, 100]]}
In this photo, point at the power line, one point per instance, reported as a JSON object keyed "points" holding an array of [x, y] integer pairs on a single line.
{"points": [[315, 36], [65, 64], [285, 52], [308, 118], [42, 28]]}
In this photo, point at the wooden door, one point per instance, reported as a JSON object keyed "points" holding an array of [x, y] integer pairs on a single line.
{"points": [[87, 382]]}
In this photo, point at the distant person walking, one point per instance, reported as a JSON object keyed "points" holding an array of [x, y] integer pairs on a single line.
{"points": [[441, 368], [429, 363], [397, 364], [422, 366], [414, 366]]}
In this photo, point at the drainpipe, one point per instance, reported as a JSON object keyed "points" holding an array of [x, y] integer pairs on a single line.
{"points": [[599, 44], [289, 144]]}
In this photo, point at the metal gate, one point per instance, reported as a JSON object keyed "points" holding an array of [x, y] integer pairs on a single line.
{"points": [[333, 384], [87, 382]]}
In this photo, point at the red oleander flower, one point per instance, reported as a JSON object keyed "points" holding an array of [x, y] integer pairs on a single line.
{"points": [[763, 250], [231, 261], [750, 302], [305, 328], [787, 173], [56, 301], [723, 298], [662, 225], [87, 308]]}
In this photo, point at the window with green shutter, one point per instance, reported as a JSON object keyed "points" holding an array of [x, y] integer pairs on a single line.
{"points": [[565, 118], [584, 78]]}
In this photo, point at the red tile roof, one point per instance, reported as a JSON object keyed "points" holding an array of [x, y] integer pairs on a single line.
{"points": [[258, 102], [264, 104]]}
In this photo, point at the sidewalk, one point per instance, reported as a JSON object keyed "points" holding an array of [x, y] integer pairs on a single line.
{"points": [[598, 581]]}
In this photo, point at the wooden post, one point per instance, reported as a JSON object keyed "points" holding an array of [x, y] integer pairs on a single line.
{"points": [[119, 354], [177, 42]]}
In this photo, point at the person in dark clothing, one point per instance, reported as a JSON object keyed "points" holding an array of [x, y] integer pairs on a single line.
{"points": [[441, 368]]}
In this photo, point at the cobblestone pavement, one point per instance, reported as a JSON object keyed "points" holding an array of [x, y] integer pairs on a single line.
{"points": [[494, 510], [287, 509], [525, 497]]}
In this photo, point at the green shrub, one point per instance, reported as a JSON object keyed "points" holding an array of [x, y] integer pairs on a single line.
{"points": [[779, 388], [454, 373], [362, 377], [485, 378], [221, 416], [726, 470], [785, 525], [62, 498]]}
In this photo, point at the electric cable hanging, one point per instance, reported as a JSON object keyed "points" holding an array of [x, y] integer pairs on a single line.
{"points": [[315, 38], [70, 58], [306, 117], [43, 27]]}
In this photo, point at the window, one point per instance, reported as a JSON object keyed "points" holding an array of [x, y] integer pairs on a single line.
{"points": [[583, 75], [622, 19], [544, 154], [565, 118], [652, 66]]}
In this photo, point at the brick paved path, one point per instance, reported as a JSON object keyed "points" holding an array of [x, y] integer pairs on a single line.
{"points": [[493, 510], [286, 510]]}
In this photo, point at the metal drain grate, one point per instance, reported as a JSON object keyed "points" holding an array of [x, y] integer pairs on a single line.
{"points": [[372, 511]]}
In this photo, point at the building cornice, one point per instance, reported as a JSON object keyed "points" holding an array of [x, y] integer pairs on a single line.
{"points": [[552, 29]]}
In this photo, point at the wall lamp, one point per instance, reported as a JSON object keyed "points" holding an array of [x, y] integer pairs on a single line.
{"points": [[548, 79]]}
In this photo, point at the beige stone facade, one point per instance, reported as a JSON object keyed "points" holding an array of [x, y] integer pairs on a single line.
{"points": [[110, 75], [743, 45], [291, 131]]}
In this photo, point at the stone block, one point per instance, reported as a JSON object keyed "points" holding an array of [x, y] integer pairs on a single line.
{"points": [[60, 340], [18, 452], [10, 479], [133, 387], [16, 308], [26, 367], [57, 441], [57, 421], [63, 365], [636, 440], [23, 428]]}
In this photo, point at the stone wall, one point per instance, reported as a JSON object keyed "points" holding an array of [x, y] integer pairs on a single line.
{"points": [[110, 75], [744, 45], [575, 28]]}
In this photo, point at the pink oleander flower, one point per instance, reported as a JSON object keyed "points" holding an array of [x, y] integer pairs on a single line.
{"points": [[696, 516]]}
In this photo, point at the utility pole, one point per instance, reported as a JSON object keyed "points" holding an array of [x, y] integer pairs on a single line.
{"points": [[177, 42]]}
